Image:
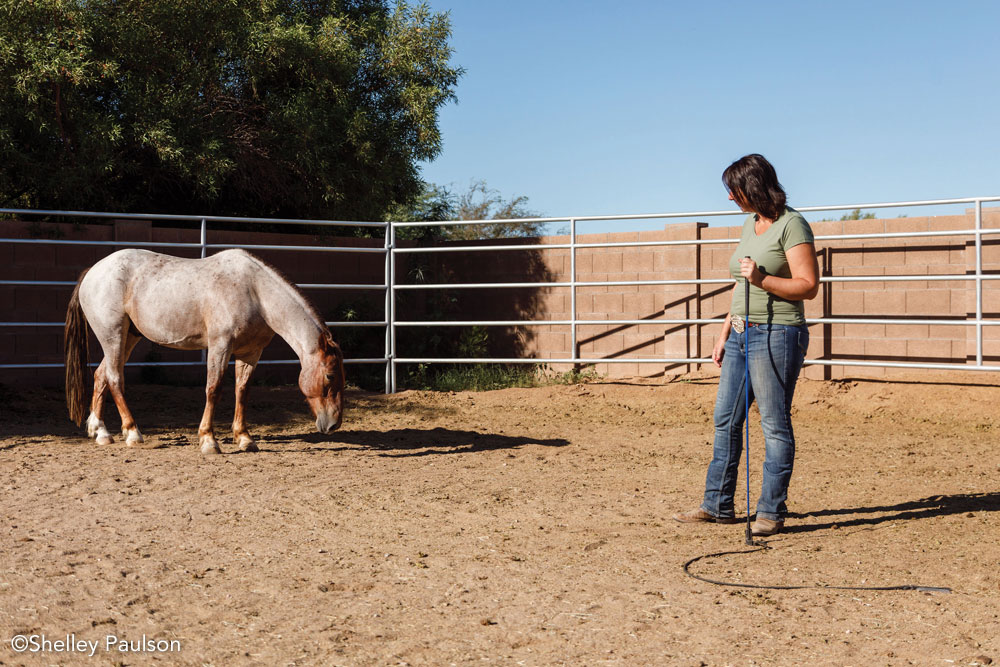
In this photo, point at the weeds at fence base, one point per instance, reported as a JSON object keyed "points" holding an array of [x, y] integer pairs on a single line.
{"points": [[488, 377]]}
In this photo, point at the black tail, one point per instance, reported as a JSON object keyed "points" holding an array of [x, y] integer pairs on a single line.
{"points": [[76, 349]]}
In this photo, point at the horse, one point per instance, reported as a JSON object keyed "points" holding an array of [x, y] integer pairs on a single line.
{"points": [[231, 303]]}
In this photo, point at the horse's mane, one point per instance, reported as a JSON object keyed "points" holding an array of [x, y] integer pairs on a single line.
{"points": [[306, 303]]}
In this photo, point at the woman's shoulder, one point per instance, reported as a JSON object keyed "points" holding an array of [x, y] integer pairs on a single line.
{"points": [[791, 214], [796, 226], [793, 218]]}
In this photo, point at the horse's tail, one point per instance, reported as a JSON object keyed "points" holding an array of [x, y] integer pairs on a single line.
{"points": [[75, 346]]}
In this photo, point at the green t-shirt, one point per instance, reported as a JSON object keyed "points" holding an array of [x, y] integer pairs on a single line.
{"points": [[768, 250]]}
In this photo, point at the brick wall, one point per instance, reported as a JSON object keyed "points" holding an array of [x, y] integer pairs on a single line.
{"points": [[854, 257], [23, 345], [872, 299]]}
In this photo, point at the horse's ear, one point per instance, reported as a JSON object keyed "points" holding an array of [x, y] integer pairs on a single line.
{"points": [[329, 345]]}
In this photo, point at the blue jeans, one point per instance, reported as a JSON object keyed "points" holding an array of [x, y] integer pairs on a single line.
{"points": [[776, 355]]}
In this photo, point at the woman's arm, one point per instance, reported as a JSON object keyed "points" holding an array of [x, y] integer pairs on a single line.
{"points": [[720, 344], [804, 283]]}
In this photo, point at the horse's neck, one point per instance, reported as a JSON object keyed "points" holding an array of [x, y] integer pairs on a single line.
{"points": [[287, 313]]}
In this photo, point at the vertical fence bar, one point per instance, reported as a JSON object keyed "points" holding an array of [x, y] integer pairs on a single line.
{"points": [[391, 305], [572, 292], [979, 282], [388, 307], [204, 243]]}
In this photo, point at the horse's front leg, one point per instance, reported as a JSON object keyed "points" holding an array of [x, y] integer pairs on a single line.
{"points": [[218, 359], [244, 369]]}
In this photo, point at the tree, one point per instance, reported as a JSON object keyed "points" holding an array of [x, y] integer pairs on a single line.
{"points": [[288, 108], [478, 202], [856, 214]]}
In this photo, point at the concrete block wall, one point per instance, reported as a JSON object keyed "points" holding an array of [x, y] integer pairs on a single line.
{"points": [[871, 299], [65, 263], [884, 299]]}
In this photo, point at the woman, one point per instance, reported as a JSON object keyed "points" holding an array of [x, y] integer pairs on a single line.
{"points": [[777, 256]]}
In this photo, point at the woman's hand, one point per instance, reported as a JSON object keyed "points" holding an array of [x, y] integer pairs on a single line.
{"points": [[720, 345], [802, 264], [719, 351], [749, 270]]}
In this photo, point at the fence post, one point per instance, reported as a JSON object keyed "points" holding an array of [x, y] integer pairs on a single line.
{"points": [[575, 353], [390, 308], [204, 242], [979, 282]]}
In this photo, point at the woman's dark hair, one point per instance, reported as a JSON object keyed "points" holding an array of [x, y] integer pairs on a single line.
{"points": [[755, 187]]}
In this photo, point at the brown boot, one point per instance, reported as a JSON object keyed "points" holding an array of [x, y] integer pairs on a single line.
{"points": [[701, 516], [766, 527]]}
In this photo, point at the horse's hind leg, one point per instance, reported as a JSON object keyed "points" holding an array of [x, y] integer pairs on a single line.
{"points": [[115, 373], [217, 360], [95, 422], [244, 369]]}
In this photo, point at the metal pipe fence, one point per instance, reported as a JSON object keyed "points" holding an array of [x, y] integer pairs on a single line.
{"points": [[391, 285], [977, 232]]}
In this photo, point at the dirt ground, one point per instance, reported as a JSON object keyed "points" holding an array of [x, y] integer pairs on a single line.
{"points": [[516, 527]]}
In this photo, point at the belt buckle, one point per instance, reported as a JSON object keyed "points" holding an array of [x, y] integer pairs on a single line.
{"points": [[737, 323]]}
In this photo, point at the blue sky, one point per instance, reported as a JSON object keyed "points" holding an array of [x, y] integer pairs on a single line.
{"points": [[601, 107]]}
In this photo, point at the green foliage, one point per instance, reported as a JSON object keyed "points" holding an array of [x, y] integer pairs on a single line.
{"points": [[856, 214], [575, 376], [478, 202], [488, 377], [436, 203], [290, 108], [472, 377]]}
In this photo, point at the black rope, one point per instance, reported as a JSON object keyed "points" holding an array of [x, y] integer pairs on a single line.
{"points": [[763, 547]]}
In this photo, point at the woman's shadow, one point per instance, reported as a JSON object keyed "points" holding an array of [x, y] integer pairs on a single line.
{"points": [[401, 442], [924, 508]]}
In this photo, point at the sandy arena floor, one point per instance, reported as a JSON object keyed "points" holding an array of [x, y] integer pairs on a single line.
{"points": [[517, 527]]}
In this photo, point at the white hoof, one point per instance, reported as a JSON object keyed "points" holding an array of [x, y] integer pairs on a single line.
{"points": [[246, 444], [133, 438], [94, 425], [97, 429], [209, 447]]}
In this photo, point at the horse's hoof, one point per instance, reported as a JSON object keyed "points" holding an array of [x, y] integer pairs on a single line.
{"points": [[134, 439], [94, 425], [249, 446], [104, 439], [210, 449]]}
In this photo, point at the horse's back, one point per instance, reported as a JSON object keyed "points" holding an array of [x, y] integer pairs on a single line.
{"points": [[173, 301]]}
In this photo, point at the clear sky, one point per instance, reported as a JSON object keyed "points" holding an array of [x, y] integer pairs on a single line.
{"points": [[592, 107]]}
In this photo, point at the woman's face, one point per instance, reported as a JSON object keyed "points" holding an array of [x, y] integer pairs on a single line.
{"points": [[736, 201]]}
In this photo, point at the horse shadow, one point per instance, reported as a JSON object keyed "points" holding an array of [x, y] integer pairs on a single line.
{"points": [[405, 442], [932, 506]]}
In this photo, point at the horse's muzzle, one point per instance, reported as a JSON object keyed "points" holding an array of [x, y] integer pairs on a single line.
{"points": [[326, 425]]}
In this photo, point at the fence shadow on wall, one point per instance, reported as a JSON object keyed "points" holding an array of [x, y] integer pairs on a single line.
{"points": [[683, 339], [943, 300]]}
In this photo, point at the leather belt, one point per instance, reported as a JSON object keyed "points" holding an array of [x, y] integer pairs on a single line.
{"points": [[739, 324]]}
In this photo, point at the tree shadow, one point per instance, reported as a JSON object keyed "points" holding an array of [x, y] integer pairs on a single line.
{"points": [[915, 509], [403, 442]]}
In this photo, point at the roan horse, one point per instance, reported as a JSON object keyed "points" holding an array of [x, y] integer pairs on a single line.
{"points": [[231, 303]]}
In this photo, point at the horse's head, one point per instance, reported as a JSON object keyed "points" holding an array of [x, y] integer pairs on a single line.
{"points": [[322, 383]]}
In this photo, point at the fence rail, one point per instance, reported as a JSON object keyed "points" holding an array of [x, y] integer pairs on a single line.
{"points": [[391, 286]]}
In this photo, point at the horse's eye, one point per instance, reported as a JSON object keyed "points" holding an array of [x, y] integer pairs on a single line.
{"points": [[331, 376]]}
